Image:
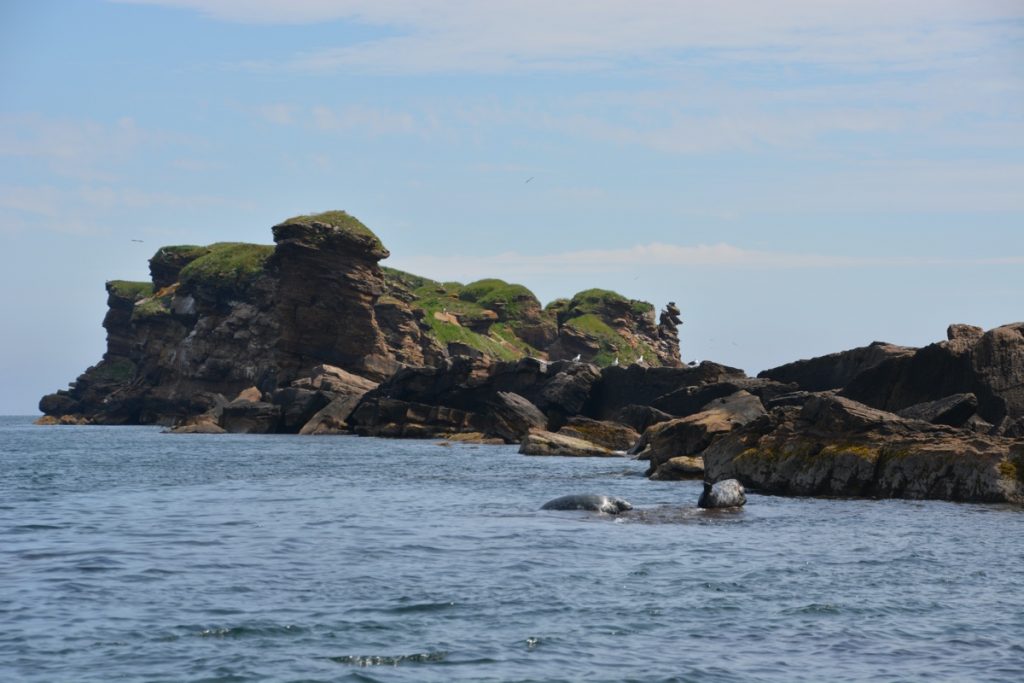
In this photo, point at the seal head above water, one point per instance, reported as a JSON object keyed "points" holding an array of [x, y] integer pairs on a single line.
{"points": [[589, 501], [727, 493]]}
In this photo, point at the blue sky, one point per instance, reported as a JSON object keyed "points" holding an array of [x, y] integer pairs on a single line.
{"points": [[800, 177]]}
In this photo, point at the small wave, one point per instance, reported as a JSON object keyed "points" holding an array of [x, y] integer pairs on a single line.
{"points": [[422, 607], [31, 528], [814, 608], [251, 631], [390, 660]]}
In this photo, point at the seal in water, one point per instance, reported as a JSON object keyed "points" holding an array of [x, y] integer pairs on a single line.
{"points": [[589, 501], [727, 493]]}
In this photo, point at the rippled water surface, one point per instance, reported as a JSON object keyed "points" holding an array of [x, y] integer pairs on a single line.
{"points": [[131, 555]]}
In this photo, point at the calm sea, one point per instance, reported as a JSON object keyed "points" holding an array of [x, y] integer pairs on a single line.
{"points": [[131, 555]]}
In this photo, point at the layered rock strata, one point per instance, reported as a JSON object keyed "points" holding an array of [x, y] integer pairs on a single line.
{"points": [[220, 318]]}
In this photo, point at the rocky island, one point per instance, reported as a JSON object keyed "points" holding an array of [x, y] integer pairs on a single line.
{"points": [[313, 336]]}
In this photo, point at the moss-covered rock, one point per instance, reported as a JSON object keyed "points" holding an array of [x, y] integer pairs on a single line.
{"points": [[226, 265], [510, 301], [166, 264], [132, 291], [605, 302], [321, 229]]}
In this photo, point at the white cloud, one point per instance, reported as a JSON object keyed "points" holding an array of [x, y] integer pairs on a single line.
{"points": [[82, 149], [278, 113], [369, 120], [87, 209], [720, 256], [501, 35]]}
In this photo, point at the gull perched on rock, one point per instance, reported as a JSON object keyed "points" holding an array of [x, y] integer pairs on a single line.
{"points": [[615, 362], [576, 359]]}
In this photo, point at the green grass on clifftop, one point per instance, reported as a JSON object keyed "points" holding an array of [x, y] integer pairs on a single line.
{"points": [[227, 264], [408, 280], [127, 289], [185, 251], [492, 293], [341, 220], [596, 300]]}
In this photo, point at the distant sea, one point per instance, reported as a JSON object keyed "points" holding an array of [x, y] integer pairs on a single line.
{"points": [[131, 555]]}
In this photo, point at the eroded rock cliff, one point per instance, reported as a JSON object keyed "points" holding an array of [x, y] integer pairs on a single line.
{"points": [[218, 319]]}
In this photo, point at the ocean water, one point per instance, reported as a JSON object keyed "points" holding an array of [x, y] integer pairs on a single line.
{"points": [[131, 555]]}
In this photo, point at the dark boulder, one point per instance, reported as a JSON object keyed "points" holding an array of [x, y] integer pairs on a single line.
{"points": [[298, 406], [640, 417], [250, 417], [512, 417], [689, 436], [482, 390], [692, 399], [835, 370], [953, 410], [636, 385], [990, 366]]}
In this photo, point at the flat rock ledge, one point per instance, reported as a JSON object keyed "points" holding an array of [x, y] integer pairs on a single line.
{"points": [[681, 467], [550, 443]]}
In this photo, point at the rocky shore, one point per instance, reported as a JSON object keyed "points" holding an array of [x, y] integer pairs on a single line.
{"points": [[312, 336]]}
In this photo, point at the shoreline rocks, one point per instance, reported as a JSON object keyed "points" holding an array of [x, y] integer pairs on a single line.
{"points": [[313, 336]]}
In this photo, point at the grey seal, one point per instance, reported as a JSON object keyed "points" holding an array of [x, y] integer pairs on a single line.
{"points": [[589, 501], [727, 493]]}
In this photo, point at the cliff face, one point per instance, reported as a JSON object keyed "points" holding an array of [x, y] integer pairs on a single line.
{"points": [[221, 318]]}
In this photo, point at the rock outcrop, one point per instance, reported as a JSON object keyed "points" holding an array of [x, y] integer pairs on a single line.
{"points": [[217, 319], [312, 336], [974, 378], [835, 370], [690, 435], [612, 435], [469, 395], [833, 446], [549, 443], [989, 365]]}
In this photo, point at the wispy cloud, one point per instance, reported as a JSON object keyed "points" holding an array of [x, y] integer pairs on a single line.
{"points": [[654, 255], [82, 149], [369, 120], [86, 209], [362, 119], [506, 35], [279, 113]]}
